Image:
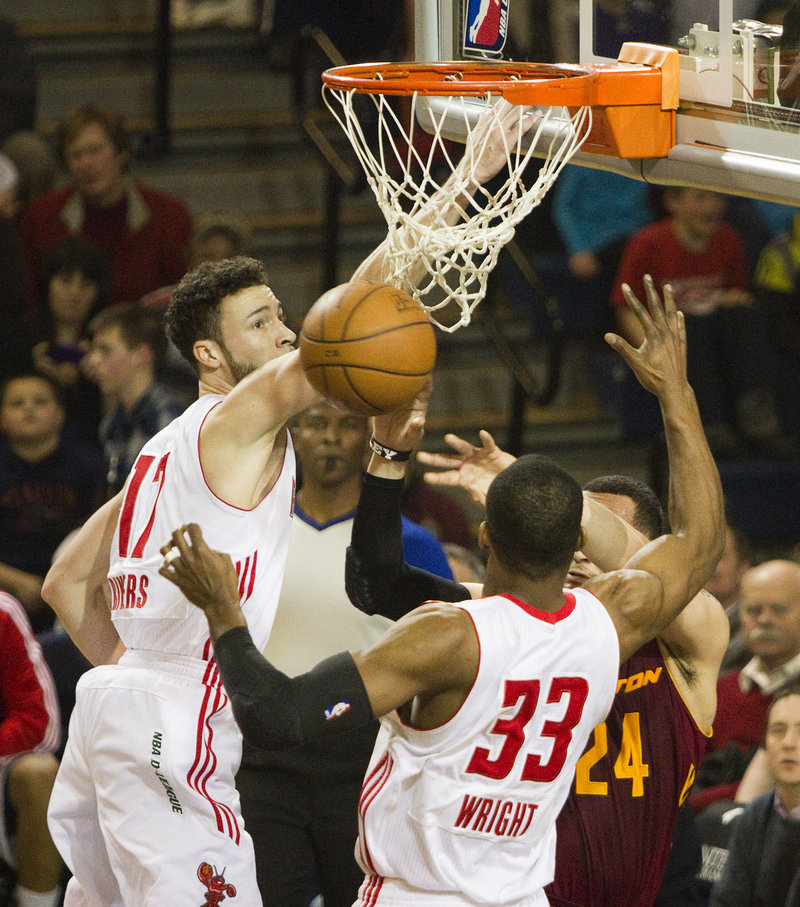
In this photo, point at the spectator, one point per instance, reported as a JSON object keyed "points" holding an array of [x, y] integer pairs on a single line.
{"points": [[596, 212], [36, 162], [770, 615], [301, 806], [728, 349], [29, 735], [49, 484], [763, 865], [143, 233], [73, 286], [724, 585], [128, 344], [215, 238]]}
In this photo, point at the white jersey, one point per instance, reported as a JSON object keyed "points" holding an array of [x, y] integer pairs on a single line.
{"points": [[466, 812], [167, 488]]}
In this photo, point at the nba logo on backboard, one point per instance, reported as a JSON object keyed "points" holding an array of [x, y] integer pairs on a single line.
{"points": [[485, 27]]}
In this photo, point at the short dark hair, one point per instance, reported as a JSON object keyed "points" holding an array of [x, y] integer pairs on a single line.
{"points": [[55, 387], [793, 689], [71, 254], [73, 124], [193, 310], [648, 515], [137, 325], [533, 514]]}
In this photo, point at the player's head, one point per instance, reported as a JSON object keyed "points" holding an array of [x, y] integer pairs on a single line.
{"points": [[331, 445], [631, 500], [224, 315], [640, 503], [533, 516]]}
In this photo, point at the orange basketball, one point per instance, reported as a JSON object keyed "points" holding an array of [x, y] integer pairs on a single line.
{"points": [[368, 346]]}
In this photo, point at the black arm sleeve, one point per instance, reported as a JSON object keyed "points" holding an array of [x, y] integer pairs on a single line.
{"points": [[377, 579], [276, 712]]}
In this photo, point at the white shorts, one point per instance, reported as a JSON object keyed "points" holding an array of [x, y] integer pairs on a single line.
{"points": [[145, 809], [377, 892]]}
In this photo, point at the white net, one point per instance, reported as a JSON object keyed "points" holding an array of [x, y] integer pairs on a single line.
{"points": [[444, 265]]}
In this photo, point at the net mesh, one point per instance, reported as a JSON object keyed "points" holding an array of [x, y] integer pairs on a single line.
{"points": [[446, 266]]}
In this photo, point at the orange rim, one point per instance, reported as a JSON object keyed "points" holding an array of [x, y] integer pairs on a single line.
{"points": [[521, 83]]}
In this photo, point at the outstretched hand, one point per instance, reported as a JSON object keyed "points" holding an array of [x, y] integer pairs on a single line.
{"points": [[206, 577], [471, 468], [659, 363]]}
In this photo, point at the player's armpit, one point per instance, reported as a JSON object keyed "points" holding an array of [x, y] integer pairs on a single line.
{"points": [[633, 599], [700, 632], [276, 712]]}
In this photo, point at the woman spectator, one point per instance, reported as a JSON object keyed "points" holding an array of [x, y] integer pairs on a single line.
{"points": [[73, 287]]}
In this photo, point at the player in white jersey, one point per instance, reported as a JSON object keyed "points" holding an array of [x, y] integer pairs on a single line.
{"points": [[475, 792], [145, 811], [145, 807], [488, 704]]}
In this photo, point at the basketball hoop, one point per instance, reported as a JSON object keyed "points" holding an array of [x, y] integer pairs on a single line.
{"points": [[406, 165]]}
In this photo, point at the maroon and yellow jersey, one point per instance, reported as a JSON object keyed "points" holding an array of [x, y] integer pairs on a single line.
{"points": [[615, 830]]}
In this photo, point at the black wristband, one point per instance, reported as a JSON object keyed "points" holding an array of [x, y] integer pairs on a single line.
{"points": [[389, 453]]}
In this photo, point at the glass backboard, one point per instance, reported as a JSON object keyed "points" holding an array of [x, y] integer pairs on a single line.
{"points": [[738, 123]]}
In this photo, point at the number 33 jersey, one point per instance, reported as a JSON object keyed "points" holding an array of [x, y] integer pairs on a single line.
{"points": [[470, 806], [166, 489]]}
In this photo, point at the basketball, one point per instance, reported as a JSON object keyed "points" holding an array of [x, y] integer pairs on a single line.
{"points": [[367, 346]]}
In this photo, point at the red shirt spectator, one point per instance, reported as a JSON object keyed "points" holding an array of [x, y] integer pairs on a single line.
{"points": [[143, 233]]}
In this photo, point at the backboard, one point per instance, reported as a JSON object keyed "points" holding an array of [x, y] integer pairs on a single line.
{"points": [[736, 128]]}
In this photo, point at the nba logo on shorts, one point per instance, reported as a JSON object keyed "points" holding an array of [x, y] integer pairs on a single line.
{"points": [[485, 27]]}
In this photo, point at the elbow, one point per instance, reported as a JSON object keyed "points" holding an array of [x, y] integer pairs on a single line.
{"points": [[263, 728], [53, 586], [356, 583]]}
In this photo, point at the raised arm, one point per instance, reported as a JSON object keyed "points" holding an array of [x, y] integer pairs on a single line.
{"points": [[254, 411], [672, 569], [432, 651], [75, 586], [486, 152], [377, 579]]}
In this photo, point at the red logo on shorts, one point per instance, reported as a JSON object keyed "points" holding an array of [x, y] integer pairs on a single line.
{"points": [[217, 889]]}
